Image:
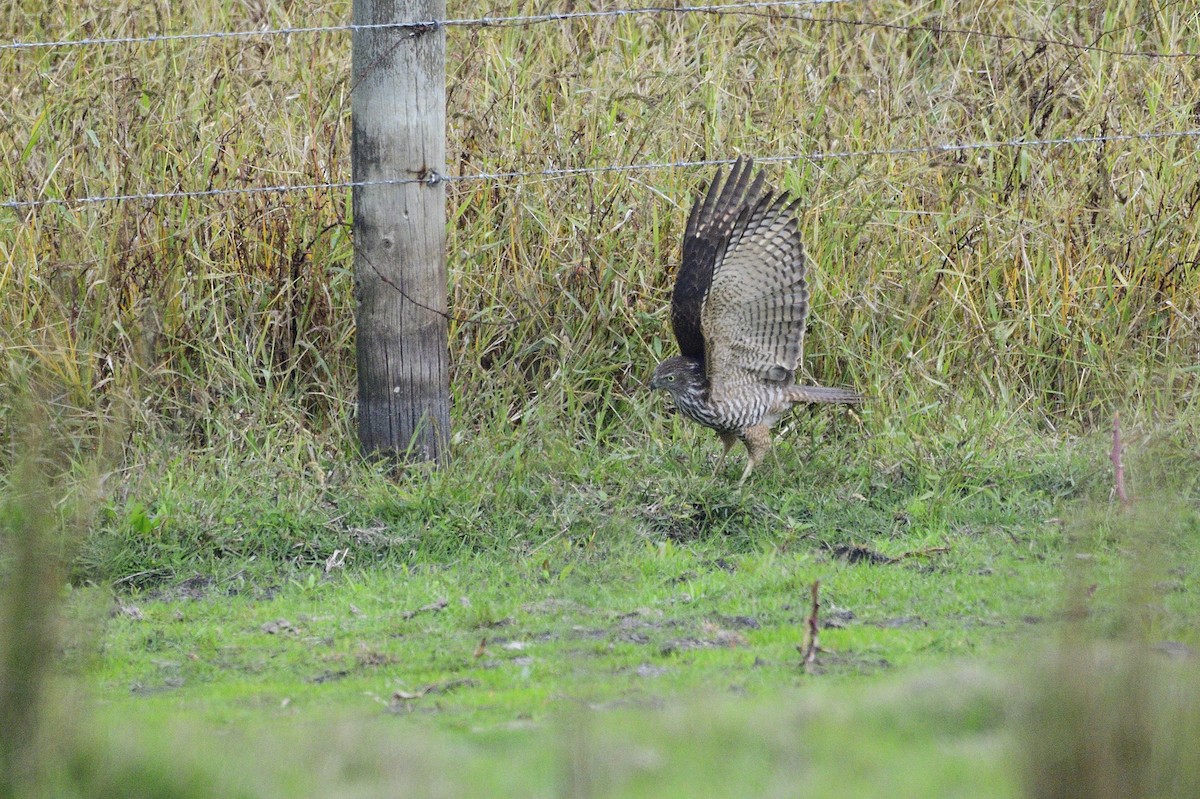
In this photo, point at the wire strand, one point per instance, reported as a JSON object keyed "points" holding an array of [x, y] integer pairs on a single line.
{"points": [[557, 173], [463, 22], [748, 8]]}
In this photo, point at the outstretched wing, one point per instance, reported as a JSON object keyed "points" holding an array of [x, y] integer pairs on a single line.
{"points": [[752, 319], [709, 227]]}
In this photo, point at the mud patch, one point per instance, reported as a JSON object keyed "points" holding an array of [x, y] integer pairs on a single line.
{"points": [[843, 662], [852, 553], [899, 622]]}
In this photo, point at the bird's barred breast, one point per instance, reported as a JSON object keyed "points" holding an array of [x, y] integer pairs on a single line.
{"points": [[753, 406]]}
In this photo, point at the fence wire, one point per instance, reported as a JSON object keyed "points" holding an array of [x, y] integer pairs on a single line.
{"points": [[559, 173], [463, 22], [749, 8]]}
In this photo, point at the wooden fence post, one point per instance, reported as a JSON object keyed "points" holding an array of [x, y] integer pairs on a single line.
{"points": [[398, 111]]}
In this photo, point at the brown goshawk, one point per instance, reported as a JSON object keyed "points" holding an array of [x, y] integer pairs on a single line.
{"points": [[738, 310]]}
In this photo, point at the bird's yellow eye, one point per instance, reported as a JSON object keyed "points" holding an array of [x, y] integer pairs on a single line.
{"points": [[670, 378]]}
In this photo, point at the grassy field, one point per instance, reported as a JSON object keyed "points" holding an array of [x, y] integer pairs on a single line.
{"points": [[574, 605]]}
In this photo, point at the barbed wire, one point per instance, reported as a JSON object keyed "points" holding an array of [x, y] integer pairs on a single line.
{"points": [[462, 22], [941, 30], [748, 8], [200, 193], [557, 173]]}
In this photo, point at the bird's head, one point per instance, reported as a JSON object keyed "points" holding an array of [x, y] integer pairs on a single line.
{"points": [[679, 375]]}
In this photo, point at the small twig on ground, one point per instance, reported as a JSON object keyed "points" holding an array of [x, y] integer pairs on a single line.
{"points": [[432, 607], [336, 560], [1118, 464], [923, 553], [811, 645], [433, 688]]}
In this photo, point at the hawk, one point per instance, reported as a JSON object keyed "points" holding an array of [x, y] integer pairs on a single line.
{"points": [[738, 311]]}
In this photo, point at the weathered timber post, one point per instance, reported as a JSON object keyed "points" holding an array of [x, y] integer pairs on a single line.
{"points": [[398, 112]]}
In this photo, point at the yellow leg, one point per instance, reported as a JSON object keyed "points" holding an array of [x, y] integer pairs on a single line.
{"points": [[727, 440], [758, 441]]}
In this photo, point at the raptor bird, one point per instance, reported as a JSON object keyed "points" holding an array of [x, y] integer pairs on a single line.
{"points": [[738, 310]]}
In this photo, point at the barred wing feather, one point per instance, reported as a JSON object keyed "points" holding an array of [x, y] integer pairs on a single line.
{"points": [[753, 316], [711, 223]]}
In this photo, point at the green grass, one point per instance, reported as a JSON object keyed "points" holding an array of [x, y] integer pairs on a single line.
{"points": [[673, 669], [639, 617], [590, 574], [646, 642]]}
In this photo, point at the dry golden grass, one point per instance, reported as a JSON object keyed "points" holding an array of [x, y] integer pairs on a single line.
{"points": [[1059, 280]]}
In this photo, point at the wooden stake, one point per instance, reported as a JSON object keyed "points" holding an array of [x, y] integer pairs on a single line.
{"points": [[811, 643], [398, 110], [1118, 464]]}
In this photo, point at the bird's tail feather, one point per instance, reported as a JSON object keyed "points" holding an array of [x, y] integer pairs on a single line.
{"points": [[823, 394]]}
